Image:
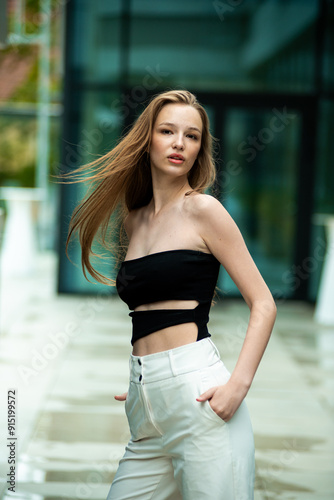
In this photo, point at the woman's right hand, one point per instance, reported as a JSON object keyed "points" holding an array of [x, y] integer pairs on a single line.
{"points": [[121, 397]]}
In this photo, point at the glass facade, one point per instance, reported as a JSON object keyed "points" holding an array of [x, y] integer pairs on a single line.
{"points": [[260, 187], [264, 72]]}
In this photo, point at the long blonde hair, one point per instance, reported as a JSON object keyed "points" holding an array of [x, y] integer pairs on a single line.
{"points": [[121, 181]]}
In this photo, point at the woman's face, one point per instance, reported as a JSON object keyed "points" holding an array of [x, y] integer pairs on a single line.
{"points": [[176, 138]]}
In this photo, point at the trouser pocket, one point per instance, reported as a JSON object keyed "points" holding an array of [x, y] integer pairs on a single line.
{"points": [[212, 376]]}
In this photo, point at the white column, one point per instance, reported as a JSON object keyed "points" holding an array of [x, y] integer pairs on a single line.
{"points": [[19, 245], [324, 312]]}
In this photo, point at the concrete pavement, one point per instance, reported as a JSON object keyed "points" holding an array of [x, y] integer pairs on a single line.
{"points": [[66, 357]]}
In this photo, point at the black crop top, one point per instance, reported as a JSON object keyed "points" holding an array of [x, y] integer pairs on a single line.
{"points": [[172, 274]]}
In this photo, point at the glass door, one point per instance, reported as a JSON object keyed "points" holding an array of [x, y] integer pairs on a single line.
{"points": [[258, 180]]}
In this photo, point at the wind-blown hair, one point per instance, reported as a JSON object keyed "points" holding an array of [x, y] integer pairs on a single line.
{"points": [[121, 181]]}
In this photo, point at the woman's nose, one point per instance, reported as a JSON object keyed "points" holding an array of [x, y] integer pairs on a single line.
{"points": [[179, 143]]}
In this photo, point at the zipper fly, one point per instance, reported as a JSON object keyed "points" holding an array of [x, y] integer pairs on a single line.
{"points": [[149, 408]]}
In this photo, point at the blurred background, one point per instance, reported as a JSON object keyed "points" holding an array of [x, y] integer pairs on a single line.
{"points": [[74, 74]]}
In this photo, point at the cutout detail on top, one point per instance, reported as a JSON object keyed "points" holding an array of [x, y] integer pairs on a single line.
{"points": [[168, 304]]}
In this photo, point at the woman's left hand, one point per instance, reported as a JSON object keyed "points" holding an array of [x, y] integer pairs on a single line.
{"points": [[224, 399]]}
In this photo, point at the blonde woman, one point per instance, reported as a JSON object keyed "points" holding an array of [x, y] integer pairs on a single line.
{"points": [[191, 435]]}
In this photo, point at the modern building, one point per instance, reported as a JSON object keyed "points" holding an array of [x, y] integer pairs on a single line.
{"points": [[263, 69]]}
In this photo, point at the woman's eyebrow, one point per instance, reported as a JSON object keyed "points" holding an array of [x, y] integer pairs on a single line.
{"points": [[169, 124]]}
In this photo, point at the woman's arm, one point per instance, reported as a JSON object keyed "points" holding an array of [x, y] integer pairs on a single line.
{"points": [[223, 238]]}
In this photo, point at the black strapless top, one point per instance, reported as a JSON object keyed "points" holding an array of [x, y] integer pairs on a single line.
{"points": [[169, 275]]}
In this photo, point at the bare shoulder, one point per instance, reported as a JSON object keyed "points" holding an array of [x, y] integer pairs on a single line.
{"points": [[211, 219], [204, 206]]}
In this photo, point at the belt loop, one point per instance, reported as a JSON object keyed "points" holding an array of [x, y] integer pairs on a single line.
{"points": [[171, 362]]}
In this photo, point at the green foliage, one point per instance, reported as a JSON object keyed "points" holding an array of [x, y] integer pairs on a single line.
{"points": [[25, 177], [17, 151]]}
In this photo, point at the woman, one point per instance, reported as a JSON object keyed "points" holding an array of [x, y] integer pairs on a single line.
{"points": [[191, 435]]}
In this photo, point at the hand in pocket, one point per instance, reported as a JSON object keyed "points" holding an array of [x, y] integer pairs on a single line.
{"points": [[121, 397]]}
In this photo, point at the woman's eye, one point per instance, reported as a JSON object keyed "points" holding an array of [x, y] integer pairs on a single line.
{"points": [[165, 131]]}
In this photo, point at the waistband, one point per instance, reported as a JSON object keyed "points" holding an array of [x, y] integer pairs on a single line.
{"points": [[173, 362]]}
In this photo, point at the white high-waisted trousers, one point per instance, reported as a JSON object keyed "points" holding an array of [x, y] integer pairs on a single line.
{"points": [[179, 447]]}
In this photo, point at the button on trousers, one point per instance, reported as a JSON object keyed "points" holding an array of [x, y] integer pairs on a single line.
{"points": [[179, 447]]}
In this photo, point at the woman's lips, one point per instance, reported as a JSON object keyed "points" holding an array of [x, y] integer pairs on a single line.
{"points": [[175, 159]]}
